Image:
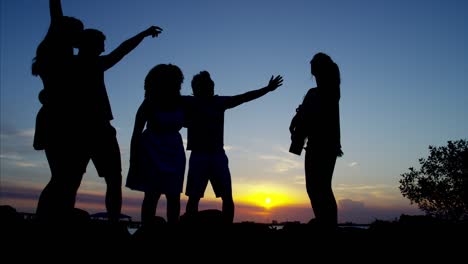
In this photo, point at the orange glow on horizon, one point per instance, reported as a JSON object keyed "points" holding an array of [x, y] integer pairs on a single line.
{"points": [[266, 200], [268, 196]]}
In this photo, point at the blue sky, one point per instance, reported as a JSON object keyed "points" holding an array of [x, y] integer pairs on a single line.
{"points": [[403, 64]]}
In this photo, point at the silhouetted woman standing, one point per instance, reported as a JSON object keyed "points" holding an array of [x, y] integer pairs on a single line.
{"points": [[53, 64], [157, 157], [317, 121]]}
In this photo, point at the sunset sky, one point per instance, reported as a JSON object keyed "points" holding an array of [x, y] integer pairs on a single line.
{"points": [[404, 70]]}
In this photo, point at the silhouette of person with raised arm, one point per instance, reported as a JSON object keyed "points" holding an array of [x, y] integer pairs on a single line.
{"points": [[157, 157], [317, 122], [205, 138], [53, 64], [97, 140], [62, 116]]}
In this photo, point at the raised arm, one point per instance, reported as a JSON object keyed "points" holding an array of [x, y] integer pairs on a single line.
{"points": [[55, 7], [123, 49], [252, 95]]}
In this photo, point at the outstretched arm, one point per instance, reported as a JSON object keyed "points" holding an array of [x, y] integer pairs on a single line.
{"points": [[251, 95], [116, 55], [55, 7]]}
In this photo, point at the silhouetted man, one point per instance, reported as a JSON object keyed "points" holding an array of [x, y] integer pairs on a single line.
{"points": [[95, 136], [205, 135]]}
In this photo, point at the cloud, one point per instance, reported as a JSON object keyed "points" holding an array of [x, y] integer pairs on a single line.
{"points": [[281, 149], [8, 131], [360, 187], [29, 133], [15, 140], [19, 161], [228, 148], [352, 164], [299, 179], [282, 164], [28, 164], [348, 204], [368, 192], [17, 150], [10, 157], [19, 191], [358, 212]]}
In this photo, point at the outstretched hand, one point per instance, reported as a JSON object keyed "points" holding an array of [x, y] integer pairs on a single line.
{"points": [[153, 31], [275, 82]]}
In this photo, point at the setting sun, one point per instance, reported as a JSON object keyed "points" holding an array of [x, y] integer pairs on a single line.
{"points": [[267, 200], [269, 196]]}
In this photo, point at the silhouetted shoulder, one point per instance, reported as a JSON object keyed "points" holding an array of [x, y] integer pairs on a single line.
{"points": [[311, 92], [311, 95]]}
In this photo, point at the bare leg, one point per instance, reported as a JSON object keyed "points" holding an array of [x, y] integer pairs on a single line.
{"points": [[228, 209], [173, 208], [319, 171], [114, 197], [192, 205], [57, 200], [148, 207]]}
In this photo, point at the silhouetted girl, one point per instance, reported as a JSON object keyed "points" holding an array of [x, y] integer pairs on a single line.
{"points": [[317, 121], [157, 158], [53, 64]]}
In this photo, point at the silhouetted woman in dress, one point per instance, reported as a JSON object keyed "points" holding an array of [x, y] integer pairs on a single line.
{"points": [[157, 157]]}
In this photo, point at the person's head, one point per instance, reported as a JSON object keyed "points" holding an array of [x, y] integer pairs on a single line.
{"points": [[202, 85], [70, 28], [91, 42], [163, 82], [324, 69], [59, 42]]}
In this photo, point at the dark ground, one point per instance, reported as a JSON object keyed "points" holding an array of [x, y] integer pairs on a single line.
{"points": [[411, 238]]}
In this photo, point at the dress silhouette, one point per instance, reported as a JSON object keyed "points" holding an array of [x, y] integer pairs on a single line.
{"points": [[157, 159]]}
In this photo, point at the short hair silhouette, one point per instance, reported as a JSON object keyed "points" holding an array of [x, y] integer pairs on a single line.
{"points": [[92, 39], [202, 84], [205, 138]]}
